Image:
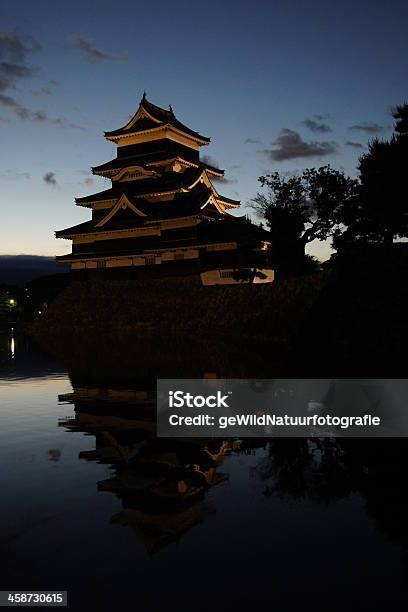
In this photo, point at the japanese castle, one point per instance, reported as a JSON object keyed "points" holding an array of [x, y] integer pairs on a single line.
{"points": [[162, 215]]}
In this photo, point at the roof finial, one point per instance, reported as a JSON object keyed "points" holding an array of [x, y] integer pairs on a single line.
{"points": [[170, 109], [144, 95]]}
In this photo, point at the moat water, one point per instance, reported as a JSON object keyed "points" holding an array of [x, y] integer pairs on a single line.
{"points": [[93, 504]]}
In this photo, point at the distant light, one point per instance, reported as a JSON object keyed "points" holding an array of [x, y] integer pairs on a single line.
{"points": [[12, 347], [12, 302], [39, 312]]}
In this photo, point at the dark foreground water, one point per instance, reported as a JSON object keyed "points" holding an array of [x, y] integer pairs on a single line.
{"points": [[91, 503]]}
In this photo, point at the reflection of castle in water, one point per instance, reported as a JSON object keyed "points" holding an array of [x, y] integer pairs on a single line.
{"points": [[161, 483]]}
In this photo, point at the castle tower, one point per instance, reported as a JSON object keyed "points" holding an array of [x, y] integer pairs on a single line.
{"points": [[162, 215]]}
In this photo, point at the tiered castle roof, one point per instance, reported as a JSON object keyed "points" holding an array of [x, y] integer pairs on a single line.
{"points": [[161, 196], [152, 118]]}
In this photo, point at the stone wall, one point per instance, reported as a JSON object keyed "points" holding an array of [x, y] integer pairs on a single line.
{"points": [[179, 307]]}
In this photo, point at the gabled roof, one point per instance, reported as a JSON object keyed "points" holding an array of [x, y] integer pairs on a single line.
{"points": [[81, 228], [101, 196], [147, 160], [229, 229], [149, 116], [138, 211], [123, 203], [170, 181], [230, 202], [132, 160]]}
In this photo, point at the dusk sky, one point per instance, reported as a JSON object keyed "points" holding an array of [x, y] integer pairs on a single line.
{"points": [[276, 85]]}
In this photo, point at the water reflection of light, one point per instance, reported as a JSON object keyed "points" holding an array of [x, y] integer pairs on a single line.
{"points": [[12, 346]]}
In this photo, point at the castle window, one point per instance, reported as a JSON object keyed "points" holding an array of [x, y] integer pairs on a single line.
{"points": [[149, 260], [179, 256], [225, 274], [101, 265]]}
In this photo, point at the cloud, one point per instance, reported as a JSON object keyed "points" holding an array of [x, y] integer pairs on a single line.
{"points": [[22, 112], [11, 73], [15, 48], [211, 161], [43, 91], [224, 180], [88, 181], [46, 90], [94, 55], [64, 123], [49, 178], [289, 145], [369, 127], [252, 141], [14, 175], [356, 145], [14, 51], [317, 125]]}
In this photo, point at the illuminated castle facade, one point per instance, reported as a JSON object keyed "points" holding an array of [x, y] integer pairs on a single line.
{"points": [[162, 216]]}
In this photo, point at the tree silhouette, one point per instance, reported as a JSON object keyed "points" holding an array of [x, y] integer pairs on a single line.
{"points": [[302, 208], [380, 213], [400, 114]]}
